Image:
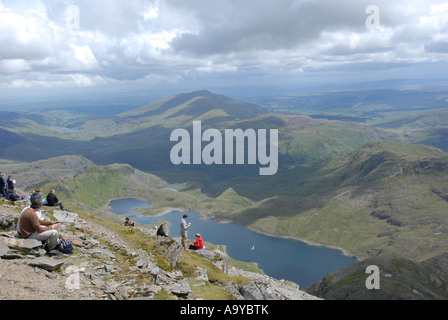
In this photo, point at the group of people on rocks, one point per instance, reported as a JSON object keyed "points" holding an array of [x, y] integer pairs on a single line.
{"points": [[8, 189], [51, 200], [31, 224], [161, 231]]}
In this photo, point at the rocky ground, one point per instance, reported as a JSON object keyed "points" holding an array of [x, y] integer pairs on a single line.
{"points": [[105, 267]]}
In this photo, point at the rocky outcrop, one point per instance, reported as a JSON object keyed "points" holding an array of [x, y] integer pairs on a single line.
{"points": [[173, 249], [263, 287], [399, 279], [106, 267]]}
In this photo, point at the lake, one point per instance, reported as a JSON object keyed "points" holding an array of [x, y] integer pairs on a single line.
{"points": [[279, 258]]}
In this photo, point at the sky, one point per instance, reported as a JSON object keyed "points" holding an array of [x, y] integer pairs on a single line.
{"points": [[49, 47]]}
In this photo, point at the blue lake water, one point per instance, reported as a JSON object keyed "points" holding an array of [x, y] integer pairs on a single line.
{"points": [[279, 258]]}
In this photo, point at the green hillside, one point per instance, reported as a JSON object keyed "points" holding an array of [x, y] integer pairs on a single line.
{"points": [[382, 198], [428, 127], [385, 201], [81, 184], [400, 279]]}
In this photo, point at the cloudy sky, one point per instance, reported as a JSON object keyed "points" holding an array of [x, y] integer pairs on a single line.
{"points": [[203, 44]]}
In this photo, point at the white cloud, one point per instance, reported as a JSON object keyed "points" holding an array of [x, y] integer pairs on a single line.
{"points": [[137, 40], [84, 55], [11, 66]]}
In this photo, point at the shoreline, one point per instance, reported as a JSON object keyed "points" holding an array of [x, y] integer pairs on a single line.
{"points": [[345, 252], [167, 210]]}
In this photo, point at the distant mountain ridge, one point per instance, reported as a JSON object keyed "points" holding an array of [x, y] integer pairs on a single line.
{"points": [[141, 137], [176, 111]]}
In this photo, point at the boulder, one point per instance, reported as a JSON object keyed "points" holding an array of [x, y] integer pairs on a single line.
{"points": [[272, 289], [201, 274], [173, 249], [101, 252], [7, 222], [65, 216], [46, 263], [29, 246], [219, 257], [251, 292], [3, 249], [179, 288]]}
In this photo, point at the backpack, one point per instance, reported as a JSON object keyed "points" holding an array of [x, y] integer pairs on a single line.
{"points": [[65, 246]]}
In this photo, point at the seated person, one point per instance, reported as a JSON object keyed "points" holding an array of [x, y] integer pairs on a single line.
{"points": [[199, 244], [36, 194], [161, 231], [52, 200], [13, 196], [129, 222], [31, 227], [10, 182]]}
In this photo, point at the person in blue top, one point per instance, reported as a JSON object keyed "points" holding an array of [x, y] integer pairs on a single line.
{"points": [[3, 186]]}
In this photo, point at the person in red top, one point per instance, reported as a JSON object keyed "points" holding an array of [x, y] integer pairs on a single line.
{"points": [[199, 244]]}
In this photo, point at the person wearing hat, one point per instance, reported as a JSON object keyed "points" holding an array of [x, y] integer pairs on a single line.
{"points": [[184, 231]]}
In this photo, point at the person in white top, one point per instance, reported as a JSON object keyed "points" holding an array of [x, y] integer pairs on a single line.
{"points": [[183, 231]]}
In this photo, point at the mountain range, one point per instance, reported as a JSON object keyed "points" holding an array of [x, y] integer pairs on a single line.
{"points": [[362, 186]]}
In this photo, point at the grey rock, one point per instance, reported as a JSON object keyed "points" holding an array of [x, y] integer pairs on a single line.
{"points": [[65, 217], [179, 288], [251, 292], [3, 249], [173, 249], [46, 263], [122, 293], [211, 255], [152, 269], [101, 252], [147, 291], [110, 268], [201, 274], [7, 222], [142, 262], [12, 254], [221, 259], [234, 288], [82, 236], [29, 246], [222, 265]]}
